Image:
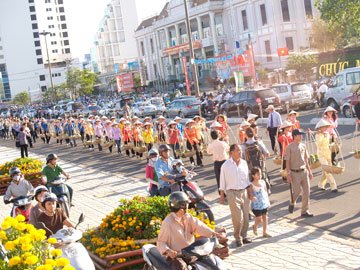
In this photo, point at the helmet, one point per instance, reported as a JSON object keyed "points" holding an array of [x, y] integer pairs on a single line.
{"points": [[14, 170], [177, 162], [178, 200], [51, 157], [48, 197], [39, 189], [163, 147], [153, 152]]}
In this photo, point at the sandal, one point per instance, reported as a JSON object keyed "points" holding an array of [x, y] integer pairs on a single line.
{"points": [[254, 231], [266, 235]]}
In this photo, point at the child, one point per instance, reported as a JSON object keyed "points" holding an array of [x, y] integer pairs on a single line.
{"points": [[261, 201]]}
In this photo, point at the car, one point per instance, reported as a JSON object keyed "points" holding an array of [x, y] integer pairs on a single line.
{"points": [[142, 109], [348, 103], [107, 110], [74, 108], [92, 109], [182, 107], [298, 95], [248, 102], [159, 104], [343, 85], [119, 105]]}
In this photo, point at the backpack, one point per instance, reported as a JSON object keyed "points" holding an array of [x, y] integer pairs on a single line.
{"points": [[253, 155]]}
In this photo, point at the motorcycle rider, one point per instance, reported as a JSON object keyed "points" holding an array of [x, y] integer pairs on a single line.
{"points": [[178, 170], [52, 171], [164, 170], [18, 186], [38, 208], [53, 218], [177, 231]]}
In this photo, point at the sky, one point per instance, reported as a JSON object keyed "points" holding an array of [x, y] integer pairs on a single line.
{"points": [[83, 17]]}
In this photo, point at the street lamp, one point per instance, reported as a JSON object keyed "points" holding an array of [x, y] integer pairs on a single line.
{"points": [[44, 33], [196, 83]]}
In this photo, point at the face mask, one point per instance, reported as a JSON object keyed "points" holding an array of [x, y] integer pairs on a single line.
{"points": [[179, 169], [154, 159], [16, 177]]}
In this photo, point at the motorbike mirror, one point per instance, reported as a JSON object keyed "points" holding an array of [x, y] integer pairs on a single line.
{"points": [[81, 219], [41, 225]]}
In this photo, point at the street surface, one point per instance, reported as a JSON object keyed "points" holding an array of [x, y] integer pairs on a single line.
{"points": [[330, 240]]}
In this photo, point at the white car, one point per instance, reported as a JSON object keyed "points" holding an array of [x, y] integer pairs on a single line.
{"points": [[142, 109], [159, 104]]}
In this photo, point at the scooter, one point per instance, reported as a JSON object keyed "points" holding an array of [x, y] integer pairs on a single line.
{"points": [[67, 241], [195, 194], [201, 249], [22, 206], [60, 189]]}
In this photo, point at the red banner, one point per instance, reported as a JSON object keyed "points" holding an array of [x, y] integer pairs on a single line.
{"points": [[179, 48], [125, 82], [226, 68], [186, 77]]}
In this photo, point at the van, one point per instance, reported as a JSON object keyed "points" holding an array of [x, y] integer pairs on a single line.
{"points": [[74, 108], [344, 84], [297, 95]]}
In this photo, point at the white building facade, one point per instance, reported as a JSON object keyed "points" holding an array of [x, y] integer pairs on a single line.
{"points": [[23, 56], [115, 44], [216, 27]]}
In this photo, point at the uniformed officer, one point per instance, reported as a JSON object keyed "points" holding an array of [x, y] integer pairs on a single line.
{"points": [[298, 172]]}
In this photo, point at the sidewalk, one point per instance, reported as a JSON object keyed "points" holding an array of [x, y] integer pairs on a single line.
{"points": [[96, 194]]}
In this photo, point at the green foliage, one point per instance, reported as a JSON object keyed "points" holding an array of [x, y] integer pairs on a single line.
{"points": [[343, 14], [137, 80], [80, 82], [324, 37], [59, 92], [232, 80], [302, 64], [263, 72], [22, 98]]}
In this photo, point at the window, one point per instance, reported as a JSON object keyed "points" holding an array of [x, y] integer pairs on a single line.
{"points": [[263, 14], [285, 11], [33, 17], [152, 45], [142, 48], [39, 61], [52, 34], [63, 26], [37, 43], [66, 42], [51, 26], [67, 50], [308, 9], [36, 34], [48, 9], [43, 88], [34, 26], [62, 18], [42, 78], [38, 52], [353, 78], [61, 9], [31, 1], [339, 80], [289, 43], [53, 42], [50, 18], [65, 34], [1, 47], [155, 70], [60, 2], [1, 56], [54, 51], [32, 8], [268, 51], [244, 20], [47, 1]]}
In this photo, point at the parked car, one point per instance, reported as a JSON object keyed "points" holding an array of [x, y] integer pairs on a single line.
{"points": [[298, 95], [349, 103], [92, 109], [142, 109], [182, 107], [74, 108], [248, 102], [159, 104], [343, 85], [107, 110], [120, 105]]}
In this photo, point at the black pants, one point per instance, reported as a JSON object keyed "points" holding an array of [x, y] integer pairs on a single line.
{"points": [[29, 141], [175, 147], [217, 169], [195, 146], [82, 134], [272, 134], [99, 145], [33, 135], [89, 138], [24, 151]]}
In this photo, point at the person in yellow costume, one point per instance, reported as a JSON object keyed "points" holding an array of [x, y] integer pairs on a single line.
{"points": [[89, 133], [148, 135], [324, 154]]}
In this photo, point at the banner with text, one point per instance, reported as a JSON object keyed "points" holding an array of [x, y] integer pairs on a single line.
{"points": [[125, 82]]}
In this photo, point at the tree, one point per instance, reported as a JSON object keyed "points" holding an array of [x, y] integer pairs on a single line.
{"points": [[80, 82], [303, 65], [343, 14], [324, 37], [22, 98], [61, 92], [137, 80]]}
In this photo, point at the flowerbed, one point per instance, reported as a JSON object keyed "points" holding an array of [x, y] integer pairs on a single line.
{"points": [[133, 224], [26, 248]]}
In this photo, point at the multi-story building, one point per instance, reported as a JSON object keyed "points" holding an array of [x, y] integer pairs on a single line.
{"points": [[115, 45], [216, 27], [23, 55]]}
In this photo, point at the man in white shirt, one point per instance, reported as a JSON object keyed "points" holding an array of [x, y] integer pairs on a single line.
{"points": [[234, 180]]}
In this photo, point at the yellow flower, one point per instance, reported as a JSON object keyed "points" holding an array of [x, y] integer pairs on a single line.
{"points": [[52, 240], [9, 245], [26, 247], [62, 262], [50, 262], [5, 225], [56, 253], [14, 261], [20, 218], [44, 267], [31, 260], [21, 226], [3, 235], [68, 268]]}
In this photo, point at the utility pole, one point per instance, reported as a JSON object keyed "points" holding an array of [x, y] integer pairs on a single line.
{"points": [[192, 57], [44, 33]]}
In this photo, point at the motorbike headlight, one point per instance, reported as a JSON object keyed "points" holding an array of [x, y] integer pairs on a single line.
{"points": [[191, 196]]}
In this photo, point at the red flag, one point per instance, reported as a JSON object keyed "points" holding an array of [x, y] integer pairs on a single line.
{"points": [[241, 60], [283, 51]]}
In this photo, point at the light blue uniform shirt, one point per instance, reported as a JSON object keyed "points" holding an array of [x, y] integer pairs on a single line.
{"points": [[161, 168]]}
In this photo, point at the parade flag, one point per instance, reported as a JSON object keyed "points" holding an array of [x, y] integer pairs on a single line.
{"points": [[241, 60], [283, 51]]}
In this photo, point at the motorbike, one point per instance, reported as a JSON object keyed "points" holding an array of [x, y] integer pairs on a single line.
{"points": [[201, 249], [60, 189], [67, 242], [22, 206], [195, 194]]}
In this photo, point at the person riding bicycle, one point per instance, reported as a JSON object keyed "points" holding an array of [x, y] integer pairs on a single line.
{"points": [[52, 171], [37, 209], [53, 218], [178, 229], [18, 186]]}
